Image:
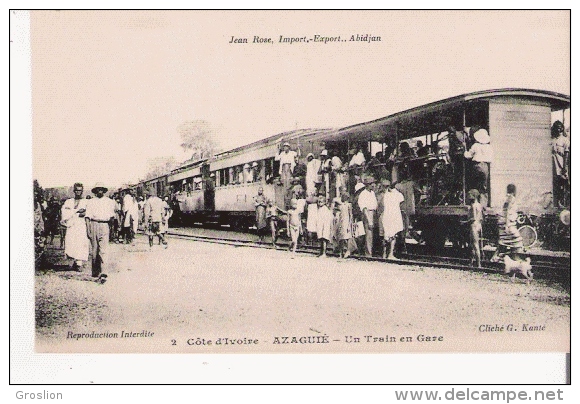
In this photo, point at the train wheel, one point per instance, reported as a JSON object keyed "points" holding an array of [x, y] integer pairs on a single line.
{"points": [[529, 235]]}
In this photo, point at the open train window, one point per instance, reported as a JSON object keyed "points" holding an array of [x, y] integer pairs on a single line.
{"points": [[226, 176], [271, 167]]}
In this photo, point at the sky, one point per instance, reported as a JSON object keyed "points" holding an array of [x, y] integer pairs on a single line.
{"points": [[110, 88]]}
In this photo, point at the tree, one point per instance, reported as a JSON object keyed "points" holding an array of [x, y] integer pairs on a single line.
{"points": [[199, 137], [38, 191], [159, 166]]}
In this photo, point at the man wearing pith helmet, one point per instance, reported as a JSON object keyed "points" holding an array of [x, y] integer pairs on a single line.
{"points": [[100, 211]]}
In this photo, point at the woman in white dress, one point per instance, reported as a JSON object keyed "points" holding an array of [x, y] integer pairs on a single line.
{"points": [[392, 219]]}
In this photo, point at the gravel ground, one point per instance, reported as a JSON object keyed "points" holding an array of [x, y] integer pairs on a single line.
{"points": [[196, 291]]}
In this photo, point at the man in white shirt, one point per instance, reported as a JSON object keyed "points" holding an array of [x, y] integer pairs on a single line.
{"points": [[367, 202], [130, 216], [358, 159], [73, 217], [287, 160], [337, 170], [481, 153], [312, 174], [154, 209], [99, 213]]}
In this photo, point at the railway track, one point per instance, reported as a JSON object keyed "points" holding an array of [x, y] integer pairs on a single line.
{"points": [[551, 271]]}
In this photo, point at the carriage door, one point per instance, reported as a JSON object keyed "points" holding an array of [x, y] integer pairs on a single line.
{"points": [[208, 189]]}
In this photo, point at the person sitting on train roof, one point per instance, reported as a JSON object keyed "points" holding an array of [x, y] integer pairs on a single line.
{"points": [[481, 153]]}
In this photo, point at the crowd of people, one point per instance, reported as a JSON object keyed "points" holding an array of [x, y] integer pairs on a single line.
{"points": [[88, 224], [319, 207], [374, 219]]}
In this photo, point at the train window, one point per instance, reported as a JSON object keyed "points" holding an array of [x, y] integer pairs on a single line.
{"points": [[270, 172], [240, 174], [257, 171], [224, 172], [248, 175]]}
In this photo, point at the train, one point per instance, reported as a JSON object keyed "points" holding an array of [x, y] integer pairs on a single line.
{"points": [[221, 189]]}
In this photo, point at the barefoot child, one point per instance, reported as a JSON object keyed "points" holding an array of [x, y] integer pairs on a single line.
{"points": [[272, 216], [475, 219], [324, 220], [294, 224]]}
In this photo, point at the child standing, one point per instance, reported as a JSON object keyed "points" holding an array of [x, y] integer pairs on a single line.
{"points": [[324, 219], [475, 219], [294, 224], [272, 216], [344, 223]]}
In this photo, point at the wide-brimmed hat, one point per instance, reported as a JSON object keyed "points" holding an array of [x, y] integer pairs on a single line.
{"points": [[358, 186], [286, 144], [246, 165], [255, 164], [99, 185], [309, 155], [324, 152], [481, 136]]}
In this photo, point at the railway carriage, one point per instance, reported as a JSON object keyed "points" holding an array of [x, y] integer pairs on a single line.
{"points": [[221, 189], [519, 125]]}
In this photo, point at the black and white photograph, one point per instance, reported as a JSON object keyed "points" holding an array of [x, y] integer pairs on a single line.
{"points": [[299, 181]]}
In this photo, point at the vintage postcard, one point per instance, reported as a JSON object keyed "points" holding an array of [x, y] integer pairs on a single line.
{"points": [[301, 181]]}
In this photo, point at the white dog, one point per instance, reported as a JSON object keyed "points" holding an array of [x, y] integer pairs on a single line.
{"points": [[516, 266]]}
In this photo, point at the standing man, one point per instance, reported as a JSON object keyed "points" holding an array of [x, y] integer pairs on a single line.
{"points": [[312, 177], [130, 216], [261, 204], [367, 202], [481, 153], [73, 218], [561, 157], [167, 213], [52, 219], [99, 214], [287, 159], [154, 211]]}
